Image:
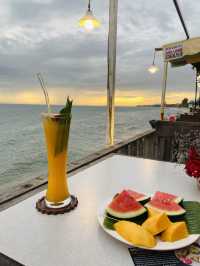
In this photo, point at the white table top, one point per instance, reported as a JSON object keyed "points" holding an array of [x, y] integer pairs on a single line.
{"points": [[76, 239]]}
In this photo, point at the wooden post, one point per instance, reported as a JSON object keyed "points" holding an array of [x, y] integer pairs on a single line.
{"points": [[164, 85], [196, 88], [112, 47]]}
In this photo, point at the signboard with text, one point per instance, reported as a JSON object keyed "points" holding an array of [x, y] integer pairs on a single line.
{"points": [[172, 53]]}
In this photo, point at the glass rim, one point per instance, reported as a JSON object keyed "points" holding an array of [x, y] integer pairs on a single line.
{"points": [[53, 115]]}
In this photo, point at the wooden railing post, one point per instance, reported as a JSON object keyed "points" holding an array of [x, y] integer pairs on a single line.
{"points": [[112, 47], [164, 86]]}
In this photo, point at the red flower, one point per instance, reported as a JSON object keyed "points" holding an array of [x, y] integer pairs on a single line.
{"points": [[192, 165], [193, 154]]}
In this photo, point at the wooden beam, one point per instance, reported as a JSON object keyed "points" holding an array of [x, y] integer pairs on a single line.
{"points": [[112, 47]]}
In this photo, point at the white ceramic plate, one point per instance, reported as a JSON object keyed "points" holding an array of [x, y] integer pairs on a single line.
{"points": [[161, 246]]}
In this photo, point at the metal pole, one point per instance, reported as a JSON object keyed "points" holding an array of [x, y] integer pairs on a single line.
{"points": [[112, 47], [164, 85], [181, 18]]}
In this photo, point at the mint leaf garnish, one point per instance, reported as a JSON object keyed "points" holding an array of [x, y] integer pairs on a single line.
{"points": [[66, 111], [63, 127]]}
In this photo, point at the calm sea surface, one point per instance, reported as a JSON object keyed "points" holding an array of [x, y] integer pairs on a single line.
{"points": [[22, 147]]}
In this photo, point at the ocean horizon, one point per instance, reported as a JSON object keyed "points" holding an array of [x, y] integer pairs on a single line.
{"points": [[85, 105], [22, 145]]}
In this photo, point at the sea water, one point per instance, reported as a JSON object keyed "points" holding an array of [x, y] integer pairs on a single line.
{"points": [[22, 146]]}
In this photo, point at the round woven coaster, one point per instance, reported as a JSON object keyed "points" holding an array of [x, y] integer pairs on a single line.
{"points": [[42, 207]]}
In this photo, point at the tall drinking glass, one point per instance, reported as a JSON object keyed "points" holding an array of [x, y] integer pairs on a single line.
{"points": [[56, 128]]}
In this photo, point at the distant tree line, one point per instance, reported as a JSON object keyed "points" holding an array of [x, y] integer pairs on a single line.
{"points": [[184, 103]]}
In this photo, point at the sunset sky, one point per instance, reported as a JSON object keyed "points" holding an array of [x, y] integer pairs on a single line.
{"points": [[44, 36]]}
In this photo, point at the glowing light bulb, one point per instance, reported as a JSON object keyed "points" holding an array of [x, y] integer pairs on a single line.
{"points": [[88, 25], [89, 22], [153, 69]]}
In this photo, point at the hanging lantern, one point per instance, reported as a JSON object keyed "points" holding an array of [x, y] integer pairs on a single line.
{"points": [[89, 22], [153, 68]]}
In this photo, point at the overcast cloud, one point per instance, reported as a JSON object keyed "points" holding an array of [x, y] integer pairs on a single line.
{"points": [[43, 36]]}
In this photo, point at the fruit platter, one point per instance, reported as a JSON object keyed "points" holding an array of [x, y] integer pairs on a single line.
{"points": [[162, 221]]}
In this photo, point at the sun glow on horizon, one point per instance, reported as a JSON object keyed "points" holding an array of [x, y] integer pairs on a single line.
{"points": [[93, 98]]}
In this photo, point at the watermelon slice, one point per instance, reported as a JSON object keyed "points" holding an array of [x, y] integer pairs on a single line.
{"points": [[171, 208], [138, 196], [124, 206], [162, 196]]}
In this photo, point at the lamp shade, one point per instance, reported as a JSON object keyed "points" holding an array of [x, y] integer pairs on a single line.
{"points": [[89, 22]]}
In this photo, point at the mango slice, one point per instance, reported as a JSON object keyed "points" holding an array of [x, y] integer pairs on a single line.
{"points": [[152, 212], [174, 232], [135, 234], [157, 223]]}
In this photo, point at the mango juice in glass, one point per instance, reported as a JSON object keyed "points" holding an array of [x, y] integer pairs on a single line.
{"points": [[56, 128]]}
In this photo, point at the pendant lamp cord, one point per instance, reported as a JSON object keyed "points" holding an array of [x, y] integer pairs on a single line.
{"points": [[154, 56], [89, 6]]}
